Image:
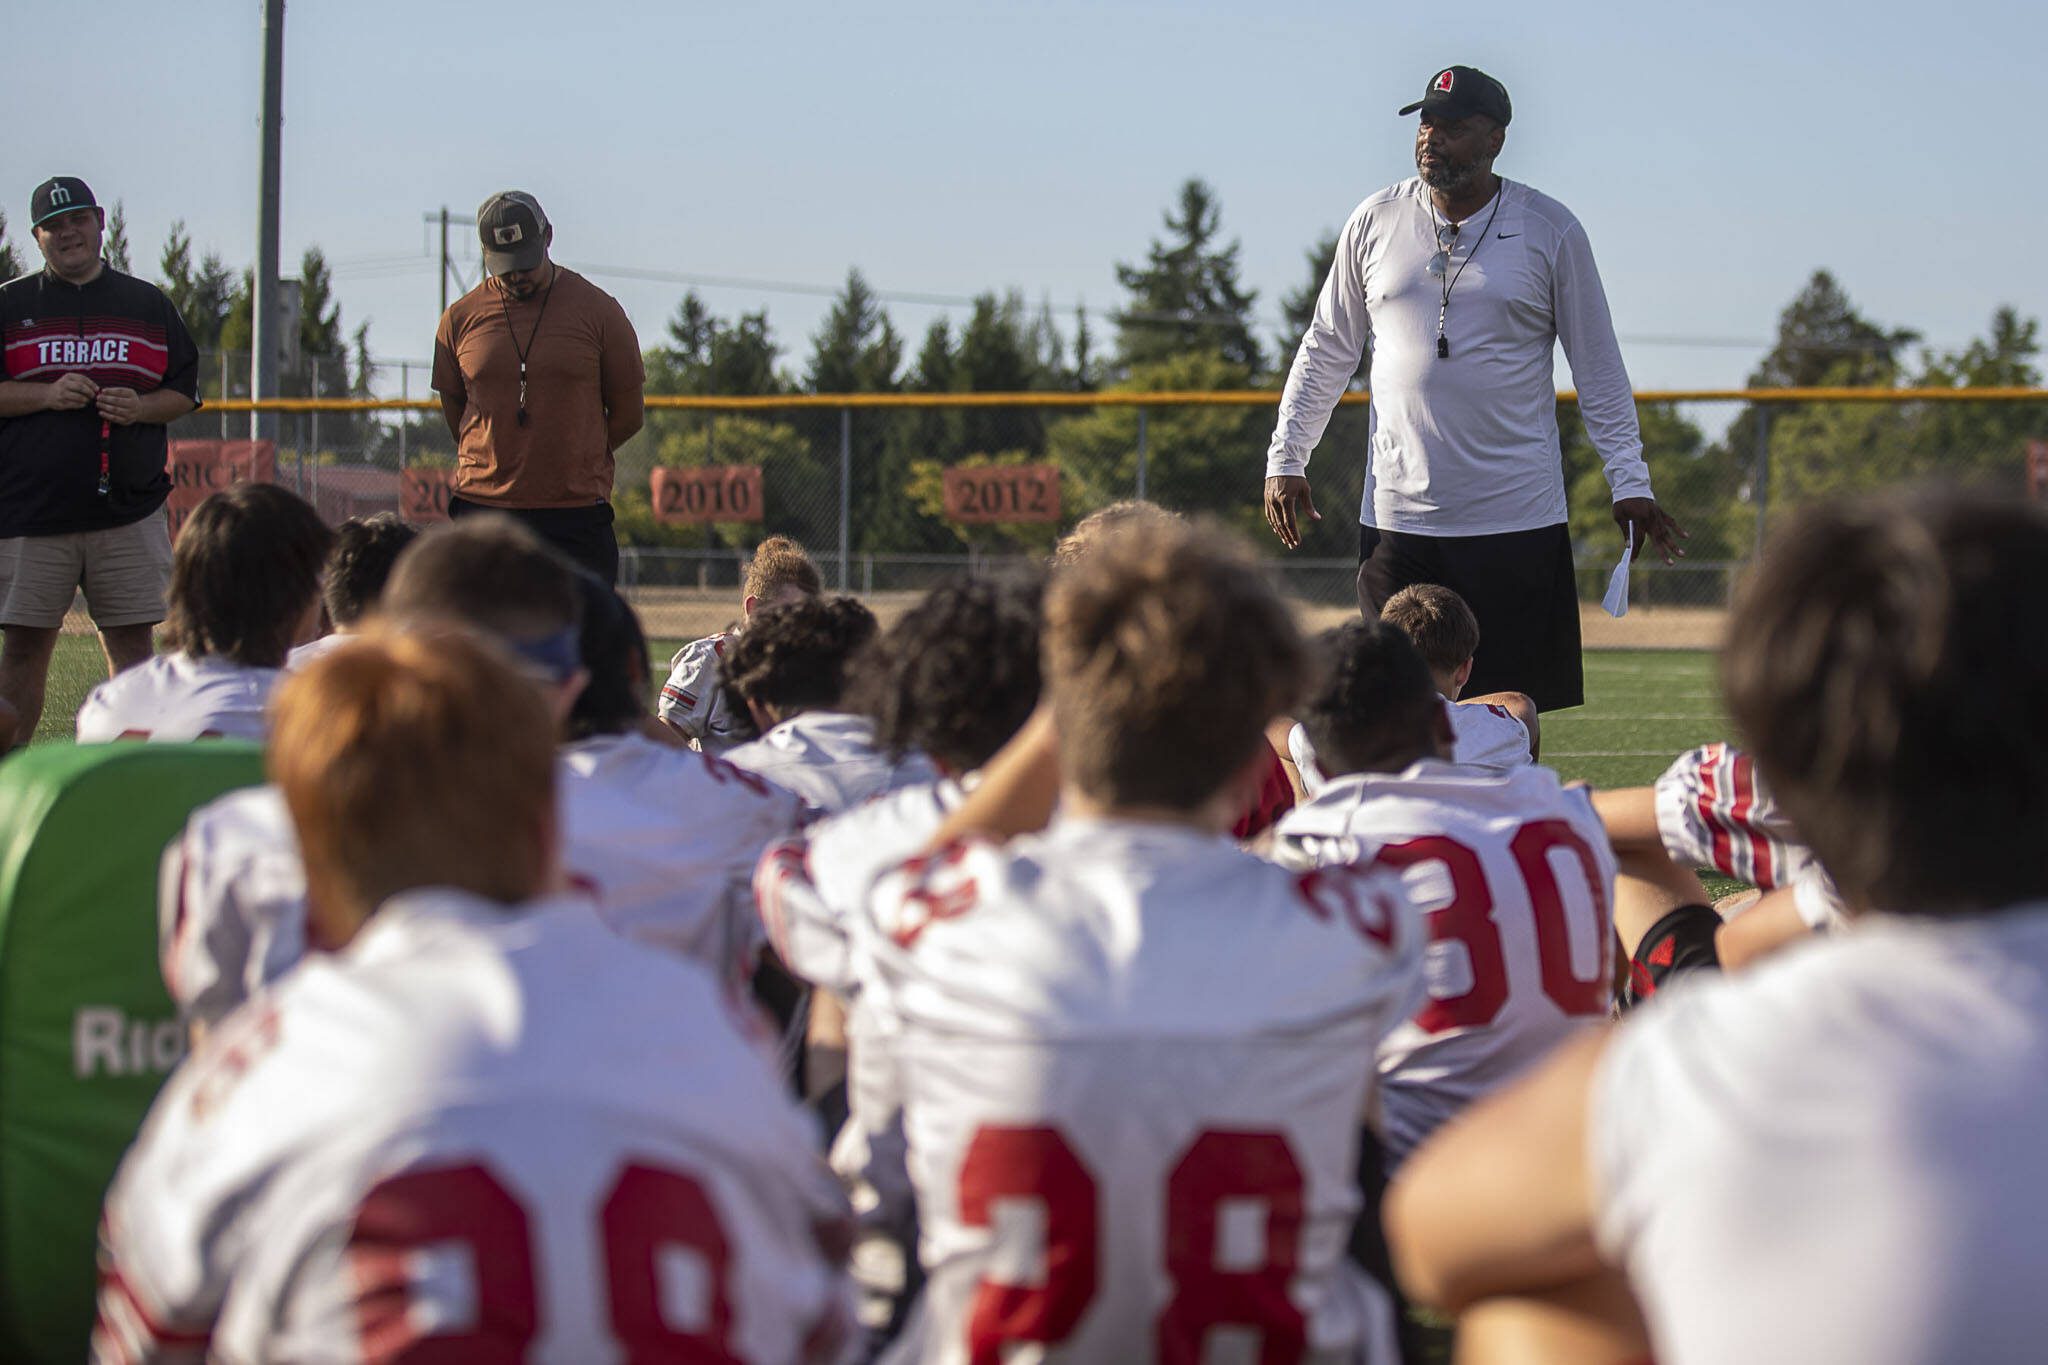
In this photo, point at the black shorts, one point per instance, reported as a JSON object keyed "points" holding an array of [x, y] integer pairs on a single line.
{"points": [[1520, 586], [582, 533]]}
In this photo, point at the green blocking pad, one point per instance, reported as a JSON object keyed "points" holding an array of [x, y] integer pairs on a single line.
{"points": [[87, 1033]]}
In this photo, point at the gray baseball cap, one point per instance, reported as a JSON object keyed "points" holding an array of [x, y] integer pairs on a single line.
{"points": [[513, 231]]}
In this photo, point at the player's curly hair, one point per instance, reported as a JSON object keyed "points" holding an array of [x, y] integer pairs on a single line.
{"points": [[614, 652], [795, 657], [958, 674], [779, 562], [1167, 652], [1863, 661], [1091, 530], [1438, 620], [364, 550], [245, 572], [1373, 704]]}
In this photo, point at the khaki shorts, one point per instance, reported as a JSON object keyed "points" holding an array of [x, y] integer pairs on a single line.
{"points": [[123, 570]]}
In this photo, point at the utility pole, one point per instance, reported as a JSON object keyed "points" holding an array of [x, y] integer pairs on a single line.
{"points": [[444, 218], [263, 312]]}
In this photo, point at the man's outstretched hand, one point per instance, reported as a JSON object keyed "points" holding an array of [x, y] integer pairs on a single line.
{"points": [[1287, 497], [1652, 525]]}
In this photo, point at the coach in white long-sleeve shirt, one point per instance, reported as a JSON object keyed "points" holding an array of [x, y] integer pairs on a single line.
{"points": [[1462, 283]]}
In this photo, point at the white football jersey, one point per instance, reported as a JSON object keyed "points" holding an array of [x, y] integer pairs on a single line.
{"points": [[663, 840], [829, 759], [1515, 876], [1134, 1068], [231, 903], [1836, 1154], [178, 697], [1487, 736], [666, 841], [1484, 736], [693, 698], [483, 1132], [811, 891]]}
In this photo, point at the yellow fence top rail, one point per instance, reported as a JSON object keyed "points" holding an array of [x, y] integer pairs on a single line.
{"points": [[1124, 398]]}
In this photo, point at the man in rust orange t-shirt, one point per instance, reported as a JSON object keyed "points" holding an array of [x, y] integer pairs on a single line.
{"points": [[539, 375]]}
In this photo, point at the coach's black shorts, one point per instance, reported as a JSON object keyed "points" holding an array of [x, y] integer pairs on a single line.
{"points": [[582, 533], [1520, 586]]}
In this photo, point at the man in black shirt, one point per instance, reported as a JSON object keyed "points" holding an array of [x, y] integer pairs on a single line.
{"points": [[96, 363]]}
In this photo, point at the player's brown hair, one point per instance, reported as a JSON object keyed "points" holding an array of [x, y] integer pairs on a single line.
{"points": [[414, 758], [1374, 707], [1439, 622], [1102, 523], [487, 572], [779, 562], [1865, 660], [1166, 654], [244, 573]]}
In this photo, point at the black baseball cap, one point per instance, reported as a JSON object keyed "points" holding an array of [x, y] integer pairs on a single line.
{"points": [[1457, 91], [59, 194], [513, 231]]}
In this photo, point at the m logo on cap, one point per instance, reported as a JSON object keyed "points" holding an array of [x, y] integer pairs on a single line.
{"points": [[506, 236], [59, 194], [1443, 81]]}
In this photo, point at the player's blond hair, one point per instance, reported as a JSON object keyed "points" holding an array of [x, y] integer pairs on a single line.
{"points": [[1440, 623], [1166, 653], [1091, 530], [779, 563], [409, 759]]}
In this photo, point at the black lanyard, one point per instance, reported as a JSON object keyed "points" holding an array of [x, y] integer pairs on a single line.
{"points": [[524, 351], [1450, 278]]}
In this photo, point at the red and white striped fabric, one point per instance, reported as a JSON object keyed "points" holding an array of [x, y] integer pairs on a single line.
{"points": [[1713, 811]]}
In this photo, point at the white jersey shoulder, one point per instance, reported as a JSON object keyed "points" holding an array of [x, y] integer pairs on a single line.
{"points": [[482, 1127], [1486, 735], [304, 654], [1843, 1140], [693, 697], [666, 840], [179, 697], [1516, 878], [1114, 1031], [830, 759], [231, 904]]}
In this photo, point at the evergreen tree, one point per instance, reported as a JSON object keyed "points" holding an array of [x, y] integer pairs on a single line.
{"points": [[1823, 340], [1083, 377], [857, 349], [11, 263], [203, 294], [1186, 298], [115, 248], [323, 355]]}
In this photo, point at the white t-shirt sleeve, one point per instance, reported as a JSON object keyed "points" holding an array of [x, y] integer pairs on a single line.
{"points": [[1586, 329], [1327, 358]]}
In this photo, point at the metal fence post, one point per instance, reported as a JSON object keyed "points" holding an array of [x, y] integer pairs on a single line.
{"points": [[845, 496], [1144, 451], [314, 439], [1760, 480], [404, 414]]}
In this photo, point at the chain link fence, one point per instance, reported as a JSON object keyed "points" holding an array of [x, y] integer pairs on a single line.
{"points": [[893, 492]]}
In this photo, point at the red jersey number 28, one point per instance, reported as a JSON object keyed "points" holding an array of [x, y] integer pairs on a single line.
{"points": [[1037, 1165]]}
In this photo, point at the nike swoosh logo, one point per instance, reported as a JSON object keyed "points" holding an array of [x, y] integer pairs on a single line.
{"points": [[1505, 235]]}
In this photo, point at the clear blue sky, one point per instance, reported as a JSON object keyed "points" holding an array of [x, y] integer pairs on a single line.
{"points": [[1717, 155]]}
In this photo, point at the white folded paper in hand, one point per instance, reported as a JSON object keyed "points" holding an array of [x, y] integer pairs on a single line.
{"points": [[1616, 601]]}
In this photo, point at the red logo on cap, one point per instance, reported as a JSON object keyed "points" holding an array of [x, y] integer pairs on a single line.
{"points": [[1443, 80]]}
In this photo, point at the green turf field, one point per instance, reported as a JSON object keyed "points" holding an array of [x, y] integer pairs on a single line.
{"points": [[1643, 708]]}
